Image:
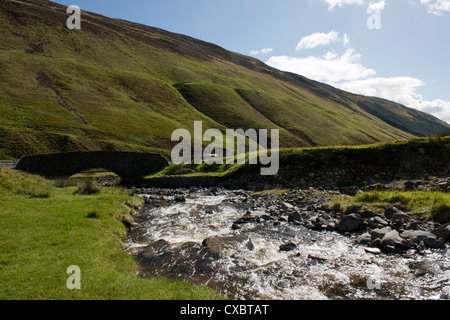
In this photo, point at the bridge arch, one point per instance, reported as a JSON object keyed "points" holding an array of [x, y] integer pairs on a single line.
{"points": [[129, 166]]}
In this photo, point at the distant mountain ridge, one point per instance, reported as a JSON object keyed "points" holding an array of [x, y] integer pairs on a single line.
{"points": [[118, 85]]}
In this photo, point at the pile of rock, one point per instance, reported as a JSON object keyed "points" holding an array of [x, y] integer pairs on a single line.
{"points": [[392, 232], [402, 232]]}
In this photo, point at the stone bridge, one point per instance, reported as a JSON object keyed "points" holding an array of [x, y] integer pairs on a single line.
{"points": [[129, 166]]}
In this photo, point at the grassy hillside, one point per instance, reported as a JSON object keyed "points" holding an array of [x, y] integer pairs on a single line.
{"points": [[116, 85], [45, 229]]}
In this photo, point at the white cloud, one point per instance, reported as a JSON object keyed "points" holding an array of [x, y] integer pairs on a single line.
{"points": [[402, 90], [437, 7], [438, 108], [318, 39], [339, 3], [329, 68], [399, 89], [375, 6], [380, 4], [262, 51], [347, 73], [322, 39], [346, 40]]}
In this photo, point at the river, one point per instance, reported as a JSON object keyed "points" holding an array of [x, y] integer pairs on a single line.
{"points": [[168, 240]]}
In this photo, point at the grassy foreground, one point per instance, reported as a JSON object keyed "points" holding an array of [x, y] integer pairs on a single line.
{"points": [[45, 229]]}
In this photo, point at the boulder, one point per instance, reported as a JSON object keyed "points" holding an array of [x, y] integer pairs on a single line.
{"points": [[350, 223], [417, 236], [443, 186], [364, 239], [287, 205], [266, 217], [392, 238], [154, 249], [389, 249], [414, 225], [399, 216], [443, 232], [295, 217], [180, 199], [377, 222], [434, 243], [372, 250], [331, 226], [235, 227], [375, 243], [409, 186], [390, 211], [219, 244], [379, 233], [247, 219], [288, 247], [393, 243]]}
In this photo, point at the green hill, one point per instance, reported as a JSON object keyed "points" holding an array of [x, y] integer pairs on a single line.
{"points": [[117, 85]]}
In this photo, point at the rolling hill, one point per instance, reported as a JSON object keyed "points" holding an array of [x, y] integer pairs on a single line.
{"points": [[118, 85]]}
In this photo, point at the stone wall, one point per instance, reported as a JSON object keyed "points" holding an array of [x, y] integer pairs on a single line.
{"points": [[347, 167]]}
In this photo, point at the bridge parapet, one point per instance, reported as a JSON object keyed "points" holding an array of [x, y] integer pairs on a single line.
{"points": [[129, 166]]}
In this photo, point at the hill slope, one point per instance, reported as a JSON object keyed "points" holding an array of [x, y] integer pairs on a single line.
{"points": [[117, 85]]}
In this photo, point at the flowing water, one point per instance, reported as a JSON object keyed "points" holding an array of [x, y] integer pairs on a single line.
{"points": [[323, 265]]}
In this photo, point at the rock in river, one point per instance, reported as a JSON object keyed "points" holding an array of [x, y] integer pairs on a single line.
{"points": [[397, 216], [442, 232], [393, 243], [350, 223], [417, 236], [221, 244], [288, 247], [428, 238], [379, 233]]}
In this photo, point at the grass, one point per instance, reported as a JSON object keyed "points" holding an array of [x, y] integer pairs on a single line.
{"points": [[21, 184], [427, 205], [40, 237], [223, 170], [87, 187], [95, 173], [275, 192], [437, 142]]}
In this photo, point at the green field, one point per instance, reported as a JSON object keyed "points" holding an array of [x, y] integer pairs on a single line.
{"points": [[45, 229]]}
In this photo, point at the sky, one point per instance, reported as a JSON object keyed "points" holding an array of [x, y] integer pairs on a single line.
{"points": [[394, 49]]}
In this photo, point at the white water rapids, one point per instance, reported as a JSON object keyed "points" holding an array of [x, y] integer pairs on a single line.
{"points": [[324, 265]]}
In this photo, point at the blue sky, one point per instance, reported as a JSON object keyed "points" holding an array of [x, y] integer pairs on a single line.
{"points": [[406, 59]]}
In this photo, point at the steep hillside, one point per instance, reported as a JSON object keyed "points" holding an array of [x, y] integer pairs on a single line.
{"points": [[117, 85]]}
